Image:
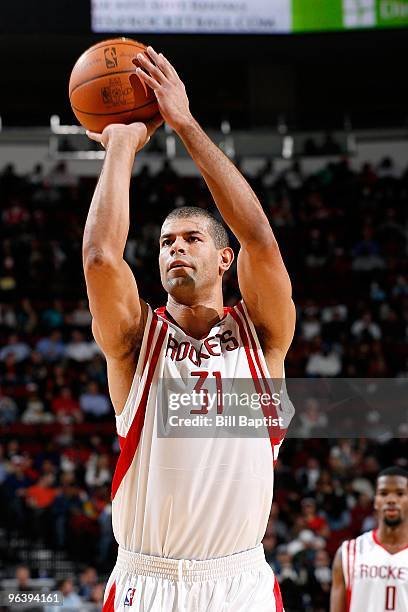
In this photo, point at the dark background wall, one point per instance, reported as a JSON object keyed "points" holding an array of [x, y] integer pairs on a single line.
{"points": [[313, 79]]}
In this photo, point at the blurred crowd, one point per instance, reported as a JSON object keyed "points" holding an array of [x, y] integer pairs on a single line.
{"points": [[343, 237], [85, 593]]}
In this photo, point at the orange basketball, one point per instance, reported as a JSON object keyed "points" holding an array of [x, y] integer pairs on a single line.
{"points": [[100, 91]]}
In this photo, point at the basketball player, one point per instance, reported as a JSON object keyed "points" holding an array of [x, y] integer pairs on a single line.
{"points": [[189, 515], [371, 572]]}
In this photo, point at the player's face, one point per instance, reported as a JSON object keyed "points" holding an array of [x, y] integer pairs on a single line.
{"points": [[189, 260], [391, 500]]}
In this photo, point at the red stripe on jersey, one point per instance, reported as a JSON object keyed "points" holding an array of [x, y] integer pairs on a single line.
{"points": [[133, 436], [348, 586], [245, 342], [268, 411], [109, 605], [153, 324], [254, 345], [353, 569], [278, 597], [258, 361], [152, 329], [254, 374]]}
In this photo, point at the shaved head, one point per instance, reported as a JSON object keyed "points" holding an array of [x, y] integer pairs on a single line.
{"points": [[216, 229]]}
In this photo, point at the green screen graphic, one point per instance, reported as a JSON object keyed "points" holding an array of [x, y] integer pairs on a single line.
{"points": [[325, 15]]}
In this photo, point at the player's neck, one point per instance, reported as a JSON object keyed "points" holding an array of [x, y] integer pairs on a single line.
{"points": [[393, 536], [196, 319]]}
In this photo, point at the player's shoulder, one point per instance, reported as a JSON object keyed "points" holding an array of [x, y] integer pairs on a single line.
{"points": [[357, 545]]}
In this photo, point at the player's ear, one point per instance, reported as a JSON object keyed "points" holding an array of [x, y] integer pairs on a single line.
{"points": [[226, 258]]}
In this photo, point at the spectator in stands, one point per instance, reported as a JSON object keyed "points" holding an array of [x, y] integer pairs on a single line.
{"points": [[35, 413], [93, 403], [313, 520], [97, 594], [97, 471], [16, 347], [53, 317], [323, 360], [319, 581], [362, 509], [88, 579], [8, 410], [41, 494], [80, 316], [66, 503], [71, 599], [65, 407], [308, 475], [289, 580], [23, 578], [310, 325], [8, 316], [312, 419], [366, 328], [38, 498], [366, 253], [52, 347], [80, 350], [14, 485]]}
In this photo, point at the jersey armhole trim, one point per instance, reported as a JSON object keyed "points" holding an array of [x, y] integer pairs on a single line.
{"points": [[140, 370], [264, 371]]}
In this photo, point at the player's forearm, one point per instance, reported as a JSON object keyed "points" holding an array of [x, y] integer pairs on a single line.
{"points": [[236, 201], [337, 601], [107, 224]]}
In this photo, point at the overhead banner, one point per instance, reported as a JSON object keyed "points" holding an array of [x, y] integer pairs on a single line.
{"points": [[245, 16], [192, 16]]}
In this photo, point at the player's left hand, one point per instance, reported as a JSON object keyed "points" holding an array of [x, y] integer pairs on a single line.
{"points": [[156, 71]]}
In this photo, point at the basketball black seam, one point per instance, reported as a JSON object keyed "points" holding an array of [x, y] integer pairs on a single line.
{"points": [[117, 113], [105, 74], [120, 42]]}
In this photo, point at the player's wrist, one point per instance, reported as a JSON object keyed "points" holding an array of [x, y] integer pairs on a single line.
{"points": [[184, 124], [126, 144]]}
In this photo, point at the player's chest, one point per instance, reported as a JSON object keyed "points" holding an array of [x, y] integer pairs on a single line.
{"points": [[220, 350], [382, 567]]}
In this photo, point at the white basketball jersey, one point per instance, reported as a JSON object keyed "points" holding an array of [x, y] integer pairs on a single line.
{"points": [[193, 498], [376, 580]]}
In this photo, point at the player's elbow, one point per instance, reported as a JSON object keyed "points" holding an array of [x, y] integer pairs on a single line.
{"points": [[260, 238], [95, 258]]}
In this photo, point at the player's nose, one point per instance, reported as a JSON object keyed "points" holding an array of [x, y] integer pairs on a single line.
{"points": [[178, 246]]}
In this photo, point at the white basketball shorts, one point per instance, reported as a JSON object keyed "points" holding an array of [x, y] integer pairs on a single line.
{"points": [[243, 582]]}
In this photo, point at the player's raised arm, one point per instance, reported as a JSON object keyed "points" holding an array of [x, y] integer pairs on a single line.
{"points": [[338, 599], [118, 314], [263, 279]]}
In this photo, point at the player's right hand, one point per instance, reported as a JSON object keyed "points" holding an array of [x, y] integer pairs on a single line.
{"points": [[136, 134]]}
